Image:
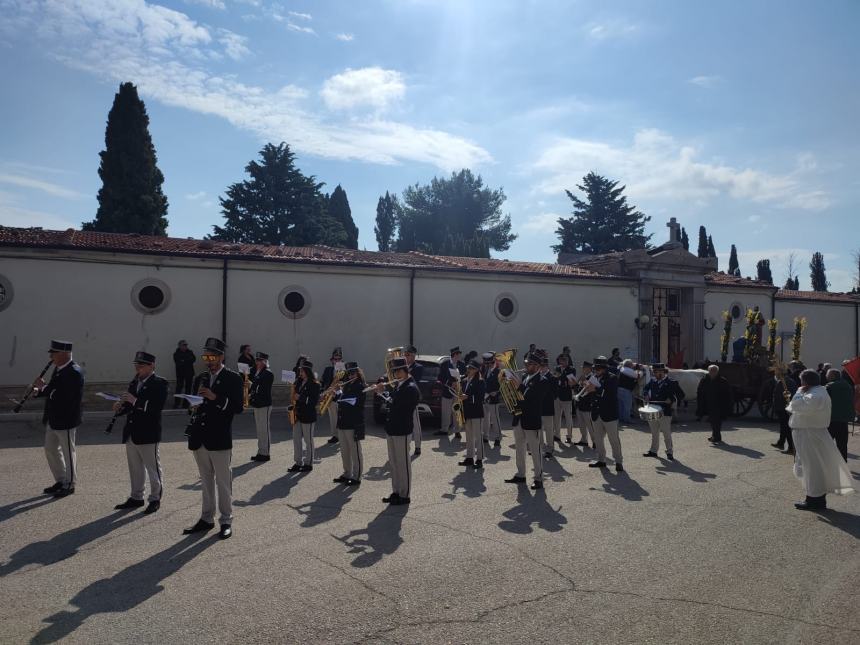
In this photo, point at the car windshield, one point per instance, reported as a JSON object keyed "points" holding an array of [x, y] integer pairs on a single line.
{"points": [[430, 371]]}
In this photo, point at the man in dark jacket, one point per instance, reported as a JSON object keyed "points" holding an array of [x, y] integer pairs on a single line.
{"points": [[714, 399], [779, 402], [211, 437], [350, 424], [474, 391], [183, 360], [527, 435], [492, 398], [547, 414], [261, 401], [398, 427], [63, 394], [448, 380], [665, 393], [604, 413], [328, 376], [143, 403], [841, 409]]}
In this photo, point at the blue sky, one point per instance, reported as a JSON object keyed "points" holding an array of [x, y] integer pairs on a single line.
{"points": [[741, 116]]}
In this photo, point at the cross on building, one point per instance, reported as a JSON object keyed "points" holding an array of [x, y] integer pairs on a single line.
{"points": [[674, 230]]}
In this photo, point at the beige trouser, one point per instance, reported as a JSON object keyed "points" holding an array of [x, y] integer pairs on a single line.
{"points": [[60, 452], [474, 439], [400, 464], [142, 462], [491, 420], [332, 418], [547, 423], [664, 425], [262, 419], [303, 433], [532, 439], [350, 454], [563, 409], [214, 467], [586, 428], [416, 429], [601, 429]]}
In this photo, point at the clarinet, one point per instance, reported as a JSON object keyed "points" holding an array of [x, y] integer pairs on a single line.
{"points": [[124, 409], [202, 381], [30, 390]]}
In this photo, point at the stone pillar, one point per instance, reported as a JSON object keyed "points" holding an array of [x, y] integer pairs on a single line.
{"points": [[696, 328], [646, 307]]}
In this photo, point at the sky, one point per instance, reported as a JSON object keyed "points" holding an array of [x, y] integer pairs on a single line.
{"points": [[739, 116]]}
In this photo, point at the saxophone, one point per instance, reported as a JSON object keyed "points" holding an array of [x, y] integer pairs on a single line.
{"points": [[328, 396], [457, 405], [291, 408]]}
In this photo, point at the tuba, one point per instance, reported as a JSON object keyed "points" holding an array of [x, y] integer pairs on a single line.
{"points": [[511, 394], [390, 354]]}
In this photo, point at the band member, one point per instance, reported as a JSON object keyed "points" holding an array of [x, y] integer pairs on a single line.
{"points": [[665, 393], [604, 413], [416, 371], [398, 427], [328, 376], [528, 433], [143, 403], [350, 424], [183, 360], [473, 412], [247, 358], [566, 376], [261, 402], [447, 380], [306, 398], [63, 414], [548, 405], [210, 437], [492, 399], [584, 403]]}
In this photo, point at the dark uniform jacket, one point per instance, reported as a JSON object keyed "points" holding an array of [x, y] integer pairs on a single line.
{"points": [[605, 404], [714, 398], [445, 377], [534, 389], [416, 371], [143, 424], [327, 377], [261, 389], [563, 391], [308, 396], [184, 362], [586, 401], [63, 395], [665, 390], [350, 416], [404, 399], [491, 383], [473, 404], [213, 420], [551, 385]]}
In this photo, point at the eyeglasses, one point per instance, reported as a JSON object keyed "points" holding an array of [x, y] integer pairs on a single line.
{"points": [[211, 357]]}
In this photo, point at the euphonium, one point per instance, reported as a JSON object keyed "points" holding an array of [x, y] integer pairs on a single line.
{"points": [[391, 353], [511, 394]]}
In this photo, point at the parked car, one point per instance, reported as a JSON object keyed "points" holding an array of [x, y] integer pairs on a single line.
{"points": [[430, 405]]}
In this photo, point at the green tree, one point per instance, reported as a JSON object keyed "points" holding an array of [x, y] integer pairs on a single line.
{"points": [[387, 210], [277, 205], [763, 273], [817, 274], [603, 222], [685, 239], [793, 284], [702, 251], [453, 214], [339, 210], [130, 199], [734, 268], [711, 251]]}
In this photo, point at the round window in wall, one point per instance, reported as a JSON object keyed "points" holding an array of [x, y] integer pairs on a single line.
{"points": [[736, 311], [6, 292], [150, 296], [506, 307], [294, 301]]}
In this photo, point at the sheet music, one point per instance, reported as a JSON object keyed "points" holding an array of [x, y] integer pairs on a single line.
{"points": [[110, 396], [244, 368], [288, 376], [193, 399]]}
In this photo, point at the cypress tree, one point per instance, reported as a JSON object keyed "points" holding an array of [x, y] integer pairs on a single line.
{"points": [[130, 199], [734, 269], [339, 210], [685, 239], [711, 252], [702, 251], [386, 221], [763, 271], [817, 275]]}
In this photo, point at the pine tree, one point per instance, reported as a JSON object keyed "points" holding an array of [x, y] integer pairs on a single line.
{"points": [[763, 271], [685, 240], [817, 275], [734, 268], [702, 251], [130, 199], [386, 221], [792, 284], [603, 222], [711, 252], [278, 205], [339, 210]]}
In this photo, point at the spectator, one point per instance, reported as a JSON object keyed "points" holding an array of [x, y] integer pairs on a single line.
{"points": [[779, 404], [628, 376], [246, 357], [183, 359], [615, 360], [841, 410], [714, 399]]}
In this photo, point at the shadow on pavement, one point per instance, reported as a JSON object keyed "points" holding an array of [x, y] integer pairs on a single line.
{"points": [[623, 485], [326, 507], [23, 505], [842, 521], [738, 450], [238, 471], [380, 538], [532, 510], [449, 445], [378, 473], [470, 481], [676, 466], [276, 489], [555, 470], [125, 590], [65, 545]]}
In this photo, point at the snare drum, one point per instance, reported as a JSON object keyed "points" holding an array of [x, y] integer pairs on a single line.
{"points": [[650, 412]]}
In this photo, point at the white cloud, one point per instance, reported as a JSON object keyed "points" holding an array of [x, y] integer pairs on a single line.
{"points": [[305, 30], [610, 30], [166, 53], [658, 166], [367, 87], [300, 16], [345, 37], [706, 81], [234, 44], [212, 4], [196, 196], [542, 223], [52, 189]]}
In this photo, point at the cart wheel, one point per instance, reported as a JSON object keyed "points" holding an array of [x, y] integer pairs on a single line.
{"points": [[765, 400], [743, 404]]}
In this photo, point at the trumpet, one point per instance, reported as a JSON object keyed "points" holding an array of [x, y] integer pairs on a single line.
{"points": [[31, 389]]}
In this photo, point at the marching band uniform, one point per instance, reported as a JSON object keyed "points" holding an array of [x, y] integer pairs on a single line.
{"points": [[564, 401], [210, 437], [398, 427], [63, 394], [548, 405], [141, 436], [328, 376], [447, 381], [473, 413], [604, 416], [491, 399], [307, 398], [584, 403], [664, 392], [261, 402], [350, 425], [416, 371], [528, 433]]}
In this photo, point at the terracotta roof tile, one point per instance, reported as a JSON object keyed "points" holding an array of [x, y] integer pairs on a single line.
{"points": [[720, 278], [821, 296]]}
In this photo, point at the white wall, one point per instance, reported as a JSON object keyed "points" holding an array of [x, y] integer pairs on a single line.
{"points": [[830, 332], [717, 301]]}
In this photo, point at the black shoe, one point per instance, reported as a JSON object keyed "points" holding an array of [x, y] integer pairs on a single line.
{"points": [[516, 479], [569, 441], [457, 435], [225, 531], [261, 458], [779, 445], [581, 443], [789, 451], [497, 444], [294, 468], [306, 468], [547, 455], [478, 464], [200, 527], [400, 501], [670, 457], [417, 452], [129, 503], [537, 485], [152, 507], [352, 482], [65, 491], [806, 506], [333, 440], [50, 490], [557, 440], [712, 440], [486, 441], [340, 480], [649, 454], [619, 468], [468, 461], [391, 498], [597, 464]]}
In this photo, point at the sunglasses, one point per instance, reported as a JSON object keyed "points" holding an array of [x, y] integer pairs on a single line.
{"points": [[211, 357]]}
